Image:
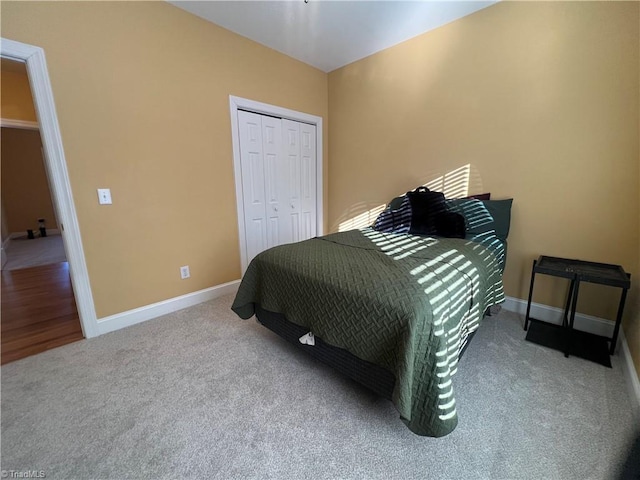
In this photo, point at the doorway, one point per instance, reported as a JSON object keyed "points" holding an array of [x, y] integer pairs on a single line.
{"points": [[38, 306], [72, 275], [30, 231]]}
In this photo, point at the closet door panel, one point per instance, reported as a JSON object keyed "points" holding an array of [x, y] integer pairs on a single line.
{"points": [[277, 230], [253, 185], [295, 226], [291, 186]]}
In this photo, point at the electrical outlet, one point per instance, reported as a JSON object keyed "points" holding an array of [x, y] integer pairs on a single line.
{"points": [[184, 272]]}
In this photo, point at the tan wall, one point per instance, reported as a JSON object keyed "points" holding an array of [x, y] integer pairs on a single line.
{"points": [[540, 98], [25, 189], [632, 327], [16, 101], [142, 94]]}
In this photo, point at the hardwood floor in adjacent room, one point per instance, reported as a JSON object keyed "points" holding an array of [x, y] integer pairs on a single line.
{"points": [[38, 311]]}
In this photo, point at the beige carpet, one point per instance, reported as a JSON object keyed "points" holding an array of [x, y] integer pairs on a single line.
{"points": [[202, 394], [24, 253]]}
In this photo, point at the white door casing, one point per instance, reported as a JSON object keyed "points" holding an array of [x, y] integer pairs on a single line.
{"points": [[308, 185], [56, 167], [309, 206]]}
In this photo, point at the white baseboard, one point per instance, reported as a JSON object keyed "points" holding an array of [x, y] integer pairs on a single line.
{"points": [[23, 124], [633, 380], [50, 231], [589, 324], [142, 314], [3, 251], [549, 314]]}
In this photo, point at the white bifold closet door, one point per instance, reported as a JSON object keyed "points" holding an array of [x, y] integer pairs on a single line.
{"points": [[278, 167]]}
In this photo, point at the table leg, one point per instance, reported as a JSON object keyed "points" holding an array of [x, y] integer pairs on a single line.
{"points": [[565, 320], [574, 304], [533, 276], [616, 329]]}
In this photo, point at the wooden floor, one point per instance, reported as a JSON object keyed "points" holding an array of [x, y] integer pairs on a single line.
{"points": [[38, 311]]}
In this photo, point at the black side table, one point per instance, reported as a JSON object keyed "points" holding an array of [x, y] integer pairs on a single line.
{"points": [[568, 339]]}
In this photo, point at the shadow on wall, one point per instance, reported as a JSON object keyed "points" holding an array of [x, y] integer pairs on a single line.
{"points": [[457, 183]]}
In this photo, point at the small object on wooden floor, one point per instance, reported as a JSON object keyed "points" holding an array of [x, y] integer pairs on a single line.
{"points": [[42, 228]]}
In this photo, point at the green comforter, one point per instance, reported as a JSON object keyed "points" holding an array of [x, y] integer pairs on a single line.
{"points": [[403, 302]]}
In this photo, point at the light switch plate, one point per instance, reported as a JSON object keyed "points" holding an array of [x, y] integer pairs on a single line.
{"points": [[104, 196], [184, 272]]}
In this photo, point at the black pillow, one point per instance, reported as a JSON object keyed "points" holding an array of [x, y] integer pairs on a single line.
{"points": [[425, 208]]}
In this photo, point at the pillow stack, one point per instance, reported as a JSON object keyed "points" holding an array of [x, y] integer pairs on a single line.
{"points": [[424, 212], [476, 218], [421, 212]]}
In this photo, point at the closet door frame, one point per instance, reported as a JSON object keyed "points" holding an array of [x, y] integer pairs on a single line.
{"points": [[238, 103]]}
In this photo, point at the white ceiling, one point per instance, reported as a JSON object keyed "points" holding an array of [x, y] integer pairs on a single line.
{"points": [[330, 34]]}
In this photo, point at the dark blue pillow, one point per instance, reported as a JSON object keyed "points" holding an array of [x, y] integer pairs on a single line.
{"points": [[396, 218], [484, 216]]}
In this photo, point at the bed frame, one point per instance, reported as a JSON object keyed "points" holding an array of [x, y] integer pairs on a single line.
{"points": [[375, 378]]}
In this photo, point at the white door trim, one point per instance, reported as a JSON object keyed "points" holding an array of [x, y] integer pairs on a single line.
{"points": [[56, 167], [237, 103]]}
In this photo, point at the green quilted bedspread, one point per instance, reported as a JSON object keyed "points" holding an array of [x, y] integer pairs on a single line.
{"points": [[403, 302]]}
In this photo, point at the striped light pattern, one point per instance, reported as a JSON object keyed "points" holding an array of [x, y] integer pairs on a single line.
{"points": [[361, 220], [451, 283], [453, 184]]}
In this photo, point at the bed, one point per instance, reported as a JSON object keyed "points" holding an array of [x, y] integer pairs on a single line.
{"points": [[392, 310]]}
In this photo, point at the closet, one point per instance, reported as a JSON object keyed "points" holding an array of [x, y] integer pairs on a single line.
{"points": [[278, 169]]}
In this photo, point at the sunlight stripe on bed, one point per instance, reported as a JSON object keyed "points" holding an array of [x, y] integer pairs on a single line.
{"points": [[455, 305]]}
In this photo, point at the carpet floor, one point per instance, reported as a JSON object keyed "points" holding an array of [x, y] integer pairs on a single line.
{"points": [[200, 393]]}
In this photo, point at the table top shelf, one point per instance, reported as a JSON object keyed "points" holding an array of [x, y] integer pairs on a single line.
{"points": [[592, 272]]}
